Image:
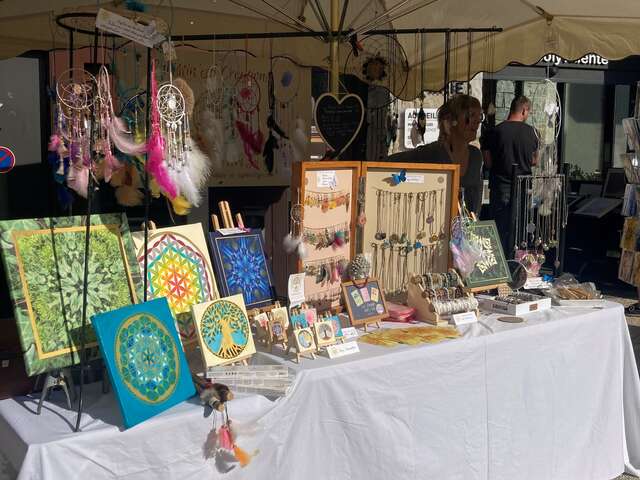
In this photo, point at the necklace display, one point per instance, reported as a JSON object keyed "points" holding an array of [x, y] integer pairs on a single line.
{"points": [[333, 236], [541, 214], [327, 200], [410, 232]]}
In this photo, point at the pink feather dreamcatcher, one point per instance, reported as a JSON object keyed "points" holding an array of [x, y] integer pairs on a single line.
{"points": [[74, 94], [248, 116]]}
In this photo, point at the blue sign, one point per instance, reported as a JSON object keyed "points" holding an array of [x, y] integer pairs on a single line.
{"points": [[7, 160]]}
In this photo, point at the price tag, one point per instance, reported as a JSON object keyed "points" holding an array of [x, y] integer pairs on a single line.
{"points": [[326, 179], [230, 231], [296, 289], [464, 318], [349, 332], [414, 178], [343, 349]]}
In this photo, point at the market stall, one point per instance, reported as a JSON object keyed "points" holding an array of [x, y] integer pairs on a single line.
{"points": [[503, 400]]}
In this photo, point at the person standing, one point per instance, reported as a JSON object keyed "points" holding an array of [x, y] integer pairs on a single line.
{"points": [[511, 144], [458, 121]]}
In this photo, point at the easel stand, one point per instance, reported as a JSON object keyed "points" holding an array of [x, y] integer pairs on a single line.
{"points": [[54, 380], [262, 333], [300, 349], [227, 217]]}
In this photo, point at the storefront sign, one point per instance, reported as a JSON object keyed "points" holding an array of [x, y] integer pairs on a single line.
{"points": [[431, 132], [590, 59]]}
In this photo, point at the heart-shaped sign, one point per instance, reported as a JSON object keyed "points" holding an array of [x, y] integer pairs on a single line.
{"points": [[338, 120]]}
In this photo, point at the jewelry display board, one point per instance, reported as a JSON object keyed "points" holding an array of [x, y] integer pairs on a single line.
{"points": [[327, 192], [409, 207]]}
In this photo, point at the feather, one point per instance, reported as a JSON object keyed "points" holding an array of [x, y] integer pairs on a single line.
{"points": [[290, 243], [78, 179], [269, 151], [223, 461], [243, 457], [210, 445], [155, 146], [110, 164], [129, 196], [198, 164], [185, 186], [210, 131], [187, 92], [251, 141], [302, 251], [300, 141], [180, 205], [122, 138]]}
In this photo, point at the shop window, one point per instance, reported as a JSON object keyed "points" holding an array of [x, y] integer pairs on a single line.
{"points": [[505, 93]]}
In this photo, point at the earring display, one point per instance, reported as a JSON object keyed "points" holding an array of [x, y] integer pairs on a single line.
{"points": [[326, 228], [410, 214]]}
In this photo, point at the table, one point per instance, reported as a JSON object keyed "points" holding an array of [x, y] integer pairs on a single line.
{"points": [[557, 397]]}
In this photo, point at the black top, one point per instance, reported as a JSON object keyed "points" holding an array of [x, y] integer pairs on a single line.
{"points": [[435, 152], [510, 142]]}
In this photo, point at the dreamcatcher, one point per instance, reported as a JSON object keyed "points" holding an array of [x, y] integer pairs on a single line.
{"points": [[545, 118], [293, 241], [71, 142], [381, 62], [209, 124], [247, 99]]}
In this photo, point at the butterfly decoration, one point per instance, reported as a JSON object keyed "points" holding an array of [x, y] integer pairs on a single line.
{"points": [[398, 178]]}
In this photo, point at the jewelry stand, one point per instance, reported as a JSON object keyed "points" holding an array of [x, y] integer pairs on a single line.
{"points": [[56, 379]]}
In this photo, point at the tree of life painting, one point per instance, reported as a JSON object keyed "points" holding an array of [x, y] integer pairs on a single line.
{"points": [[224, 331]]}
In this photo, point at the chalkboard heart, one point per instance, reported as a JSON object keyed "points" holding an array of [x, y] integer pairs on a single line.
{"points": [[338, 120]]}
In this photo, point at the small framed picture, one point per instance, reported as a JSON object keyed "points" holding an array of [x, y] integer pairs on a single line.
{"points": [[324, 333], [304, 340], [281, 314]]}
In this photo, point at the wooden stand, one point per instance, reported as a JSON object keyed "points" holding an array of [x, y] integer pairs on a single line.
{"points": [[227, 217]]}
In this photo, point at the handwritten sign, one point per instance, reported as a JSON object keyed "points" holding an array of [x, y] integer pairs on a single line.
{"points": [[492, 269], [146, 35], [338, 120], [342, 349], [364, 301]]}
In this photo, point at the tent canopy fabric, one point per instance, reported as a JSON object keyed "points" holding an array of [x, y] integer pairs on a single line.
{"points": [[569, 28]]}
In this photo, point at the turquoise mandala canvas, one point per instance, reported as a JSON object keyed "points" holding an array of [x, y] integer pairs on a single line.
{"points": [[44, 262], [146, 363]]}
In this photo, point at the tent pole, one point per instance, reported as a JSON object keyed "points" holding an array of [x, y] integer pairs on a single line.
{"points": [[335, 69]]}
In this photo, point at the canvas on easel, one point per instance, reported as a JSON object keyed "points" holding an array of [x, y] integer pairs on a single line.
{"points": [[178, 268], [43, 260], [242, 267], [224, 331], [146, 364]]}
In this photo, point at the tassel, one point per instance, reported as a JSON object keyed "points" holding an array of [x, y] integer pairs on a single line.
{"points": [[243, 457], [123, 140], [210, 446], [224, 438]]}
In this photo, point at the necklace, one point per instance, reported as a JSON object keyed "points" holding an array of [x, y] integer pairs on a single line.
{"points": [[380, 235]]}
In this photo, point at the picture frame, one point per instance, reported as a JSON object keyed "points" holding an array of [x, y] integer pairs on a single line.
{"points": [[224, 331], [43, 259], [145, 360], [493, 268], [324, 333], [277, 331], [303, 343], [242, 267], [365, 312]]}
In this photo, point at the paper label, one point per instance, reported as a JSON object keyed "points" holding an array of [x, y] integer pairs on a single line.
{"points": [[357, 297], [230, 231], [296, 289], [414, 178], [374, 295], [326, 179], [364, 291], [464, 318], [343, 349], [349, 332], [146, 35]]}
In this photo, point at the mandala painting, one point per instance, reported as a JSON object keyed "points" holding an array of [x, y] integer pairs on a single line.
{"points": [[224, 331], [241, 266], [178, 268], [44, 262], [146, 363]]}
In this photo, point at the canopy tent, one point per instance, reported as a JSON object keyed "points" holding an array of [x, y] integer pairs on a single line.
{"points": [[569, 28]]}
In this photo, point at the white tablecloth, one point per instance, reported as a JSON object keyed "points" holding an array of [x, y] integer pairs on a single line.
{"points": [[557, 397]]}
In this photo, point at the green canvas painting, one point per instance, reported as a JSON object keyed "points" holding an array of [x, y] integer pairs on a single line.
{"points": [[492, 269], [44, 262]]}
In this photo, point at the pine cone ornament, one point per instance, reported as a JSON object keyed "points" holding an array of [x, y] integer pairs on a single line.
{"points": [[359, 268]]}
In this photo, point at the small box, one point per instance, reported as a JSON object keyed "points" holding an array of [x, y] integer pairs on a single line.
{"points": [[535, 305]]}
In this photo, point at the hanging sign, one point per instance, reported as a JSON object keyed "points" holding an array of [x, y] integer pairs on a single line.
{"points": [[146, 35], [7, 160], [431, 132], [338, 120]]}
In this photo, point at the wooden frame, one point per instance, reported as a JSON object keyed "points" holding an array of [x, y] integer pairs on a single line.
{"points": [[321, 326], [299, 188], [433, 175], [300, 348], [373, 319]]}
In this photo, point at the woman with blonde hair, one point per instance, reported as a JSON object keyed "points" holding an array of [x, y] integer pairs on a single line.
{"points": [[458, 121]]}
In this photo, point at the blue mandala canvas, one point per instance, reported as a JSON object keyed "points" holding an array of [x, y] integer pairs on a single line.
{"points": [[241, 267], [145, 360]]}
